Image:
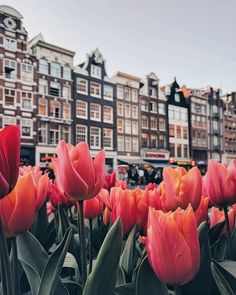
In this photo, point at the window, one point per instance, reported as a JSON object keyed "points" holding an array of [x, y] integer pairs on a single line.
{"points": [[128, 126], [127, 93], [161, 109], [135, 128], [66, 91], [107, 138], [177, 114], [66, 111], [120, 143], [26, 127], [171, 130], [144, 122], [95, 137], [135, 145], [54, 135], [82, 85], [120, 125], [55, 88], [10, 44], [153, 141], [185, 132], [185, 151], [153, 123], [108, 92], [134, 112], [127, 110], [95, 89], [95, 112], [43, 86], [55, 70], [81, 109], [120, 92], [177, 97], [134, 95], [96, 72], [171, 113], [120, 109], [144, 105], [144, 140], [128, 144], [9, 97], [65, 133], [66, 73], [153, 106], [179, 150], [172, 149], [153, 92], [178, 131], [9, 69], [8, 121], [162, 141], [27, 72], [26, 100], [215, 141], [42, 132], [43, 107], [55, 109], [108, 114], [162, 124], [81, 133], [184, 115], [43, 66]]}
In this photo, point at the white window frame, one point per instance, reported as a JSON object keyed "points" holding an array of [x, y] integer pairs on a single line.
{"points": [[120, 143], [64, 131], [29, 124], [14, 102], [99, 87], [53, 113], [134, 114], [134, 95], [66, 73], [110, 96], [26, 72], [43, 86], [135, 127], [96, 71], [127, 110], [82, 109], [27, 99], [78, 83], [43, 66], [120, 92], [122, 121], [66, 91], [68, 109], [11, 64], [46, 104], [128, 127], [10, 44], [111, 114], [122, 109], [99, 138], [130, 144], [85, 134], [45, 130], [55, 69], [135, 142], [110, 138], [161, 108], [55, 131], [93, 113], [7, 120]]}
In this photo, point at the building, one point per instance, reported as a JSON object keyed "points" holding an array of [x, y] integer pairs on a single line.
{"points": [[53, 97], [229, 127], [94, 107], [128, 117], [199, 132], [153, 121], [17, 81], [179, 125]]}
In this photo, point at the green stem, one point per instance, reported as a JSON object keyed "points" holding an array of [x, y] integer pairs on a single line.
{"points": [[15, 267], [178, 290], [91, 245], [82, 244], [3, 276], [228, 233], [7, 267]]}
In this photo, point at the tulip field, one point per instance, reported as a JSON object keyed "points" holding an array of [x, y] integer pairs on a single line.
{"points": [[83, 232]]}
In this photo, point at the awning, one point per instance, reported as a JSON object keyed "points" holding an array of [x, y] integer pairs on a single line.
{"points": [[134, 162], [163, 165]]}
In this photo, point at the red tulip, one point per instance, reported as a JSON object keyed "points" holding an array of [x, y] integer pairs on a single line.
{"points": [[220, 183], [93, 207], [107, 197], [179, 188], [17, 210], [77, 174], [150, 186], [9, 159], [110, 180], [201, 213], [173, 246], [106, 216], [59, 198], [122, 184], [218, 216]]}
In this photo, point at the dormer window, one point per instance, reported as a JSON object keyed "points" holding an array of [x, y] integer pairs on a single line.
{"points": [[96, 72], [177, 97], [153, 92]]}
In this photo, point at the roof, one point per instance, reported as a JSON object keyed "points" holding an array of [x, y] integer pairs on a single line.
{"points": [[10, 11], [131, 77]]}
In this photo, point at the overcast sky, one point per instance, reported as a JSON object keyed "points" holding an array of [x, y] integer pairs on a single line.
{"points": [[194, 40]]}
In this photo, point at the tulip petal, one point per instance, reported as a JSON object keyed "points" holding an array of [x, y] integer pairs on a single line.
{"points": [[171, 185], [100, 171], [4, 186], [42, 190]]}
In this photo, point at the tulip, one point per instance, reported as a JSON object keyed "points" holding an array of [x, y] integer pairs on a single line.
{"points": [[77, 174], [106, 216], [59, 198], [9, 159], [218, 216], [150, 186], [172, 245], [110, 180], [179, 188], [201, 213], [17, 210], [93, 207], [220, 183]]}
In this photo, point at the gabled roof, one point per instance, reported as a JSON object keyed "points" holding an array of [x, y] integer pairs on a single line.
{"points": [[10, 11]]}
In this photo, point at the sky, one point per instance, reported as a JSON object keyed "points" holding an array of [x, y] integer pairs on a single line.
{"points": [[192, 40]]}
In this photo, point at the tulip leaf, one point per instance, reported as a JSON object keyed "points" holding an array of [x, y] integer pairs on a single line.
{"points": [[147, 281], [215, 232], [73, 287], [33, 259], [203, 283], [40, 225], [126, 289], [120, 278], [129, 257], [63, 223], [102, 279], [228, 269], [221, 282], [54, 266], [220, 248]]}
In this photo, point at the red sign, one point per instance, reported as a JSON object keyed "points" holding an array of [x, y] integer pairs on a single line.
{"points": [[155, 155]]}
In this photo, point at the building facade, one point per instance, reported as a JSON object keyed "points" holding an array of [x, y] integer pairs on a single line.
{"points": [[153, 121], [53, 97], [94, 107], [17, 81]]}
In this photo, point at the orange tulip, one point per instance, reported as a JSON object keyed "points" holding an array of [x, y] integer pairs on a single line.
{"points": [[173, 246], [9, 159], [220, 183], [17, 210], [93, 207], [218, 216], [106, 216], [77, 174], [201, 213], [180, 188]]}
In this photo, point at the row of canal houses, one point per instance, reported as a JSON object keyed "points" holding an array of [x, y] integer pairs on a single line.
{"points": [[132, 118]]}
